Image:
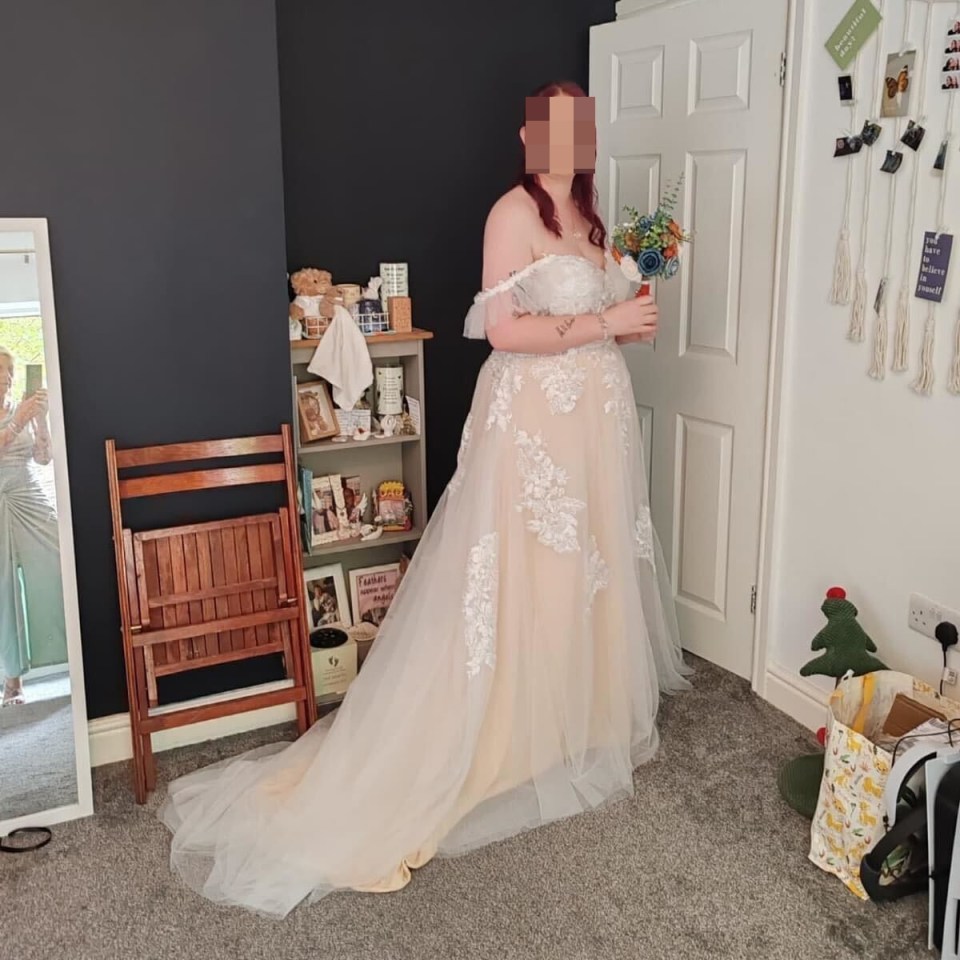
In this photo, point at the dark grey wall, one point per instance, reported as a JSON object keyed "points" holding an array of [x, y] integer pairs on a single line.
{"points": [[400, 129], [148, 134]]}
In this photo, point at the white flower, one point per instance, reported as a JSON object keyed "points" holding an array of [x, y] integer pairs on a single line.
{"points": [[629, 267]]}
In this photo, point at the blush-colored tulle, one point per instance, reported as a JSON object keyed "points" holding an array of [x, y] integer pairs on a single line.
{"points": [[516, 677]]}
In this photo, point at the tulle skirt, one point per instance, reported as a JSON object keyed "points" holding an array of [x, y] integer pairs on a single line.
{"points": [[514, 681]]}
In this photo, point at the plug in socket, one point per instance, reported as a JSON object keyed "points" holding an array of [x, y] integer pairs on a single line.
{"points": [[926, 614]]}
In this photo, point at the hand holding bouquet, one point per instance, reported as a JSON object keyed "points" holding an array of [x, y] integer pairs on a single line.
{"points": [[649, 246]]}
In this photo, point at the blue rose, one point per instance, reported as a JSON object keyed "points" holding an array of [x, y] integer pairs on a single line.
{"points": [[646, 223], [673, 265], [650, 263]]}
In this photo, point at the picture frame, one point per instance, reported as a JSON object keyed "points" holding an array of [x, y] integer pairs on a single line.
{"points": [[325, 597], [315, 411], [372, 590], [325, 525]]}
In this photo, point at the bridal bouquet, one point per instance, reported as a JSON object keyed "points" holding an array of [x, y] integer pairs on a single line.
{"points": [[648, 246]]}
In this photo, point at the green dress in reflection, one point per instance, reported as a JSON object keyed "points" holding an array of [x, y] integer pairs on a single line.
{"points": [[32, 630]]}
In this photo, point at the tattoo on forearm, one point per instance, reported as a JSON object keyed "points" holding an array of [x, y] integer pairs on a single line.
{"points": [[563, 328]]}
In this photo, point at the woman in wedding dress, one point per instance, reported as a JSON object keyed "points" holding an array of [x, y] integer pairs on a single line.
{"points": [[516, 677]]}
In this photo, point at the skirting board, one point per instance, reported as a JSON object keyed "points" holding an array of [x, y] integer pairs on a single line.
{"points": [[110, 736], [796, 696]]}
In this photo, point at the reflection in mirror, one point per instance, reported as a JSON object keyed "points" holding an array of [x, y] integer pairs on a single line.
{"points": [[38, 762]]}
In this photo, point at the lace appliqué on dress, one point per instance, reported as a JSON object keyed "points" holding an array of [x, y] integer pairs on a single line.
{"points": [[507, 383], [561, 379], [617, 380], [643, 536], [480, 605], [457, 478], [554, 519], [598, 574]]}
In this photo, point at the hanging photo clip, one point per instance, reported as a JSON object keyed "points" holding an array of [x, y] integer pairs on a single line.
{"points": [[892, 161], [913, 135], [847, 146], [870, 133]]}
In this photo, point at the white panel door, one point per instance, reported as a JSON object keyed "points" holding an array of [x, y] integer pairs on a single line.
{"points": [[696, 88]]}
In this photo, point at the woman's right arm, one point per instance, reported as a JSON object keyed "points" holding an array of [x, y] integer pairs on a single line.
{"points": [[18, 422], [507, 248]]}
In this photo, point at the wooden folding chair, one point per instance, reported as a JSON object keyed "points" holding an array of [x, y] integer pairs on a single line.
{"points": [[208, 593]]}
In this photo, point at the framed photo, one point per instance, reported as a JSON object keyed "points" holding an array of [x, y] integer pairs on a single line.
{"points": [[326, 597], [315, 408], [372, 590], [325, 524]]}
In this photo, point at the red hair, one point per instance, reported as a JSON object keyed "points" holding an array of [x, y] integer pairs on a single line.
{"points": [[583, 190]]}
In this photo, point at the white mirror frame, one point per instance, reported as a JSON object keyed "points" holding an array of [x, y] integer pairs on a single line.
{"points": [[81, 747]]}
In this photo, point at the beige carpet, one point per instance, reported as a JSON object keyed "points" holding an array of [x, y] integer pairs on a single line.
{"points": [[704, 863]]}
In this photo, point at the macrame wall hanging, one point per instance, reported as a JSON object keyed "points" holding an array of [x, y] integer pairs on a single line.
{"points": [[901, 339], [938, 246], [851, 95], [858, 313], [899, 81]]}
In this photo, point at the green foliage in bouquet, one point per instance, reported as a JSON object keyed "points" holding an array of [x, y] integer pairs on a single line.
{"points": [[648, 245]]}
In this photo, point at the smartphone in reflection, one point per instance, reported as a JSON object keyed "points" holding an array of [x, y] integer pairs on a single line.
{"points": [[34, 378]]}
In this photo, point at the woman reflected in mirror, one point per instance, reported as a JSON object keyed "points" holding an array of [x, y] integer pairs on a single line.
{"points": [[31, 595]]}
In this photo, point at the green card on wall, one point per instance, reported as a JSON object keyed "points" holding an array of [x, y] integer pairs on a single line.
{"points": [[853, 31]]}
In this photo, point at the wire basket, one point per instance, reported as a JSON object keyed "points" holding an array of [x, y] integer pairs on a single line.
{"points": [[370, 321]]}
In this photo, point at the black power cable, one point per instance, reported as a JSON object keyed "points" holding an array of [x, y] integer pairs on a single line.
{"points": [[946, 636]]}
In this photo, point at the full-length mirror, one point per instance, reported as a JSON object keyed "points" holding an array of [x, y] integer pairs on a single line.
{"points": [[44, 757]]}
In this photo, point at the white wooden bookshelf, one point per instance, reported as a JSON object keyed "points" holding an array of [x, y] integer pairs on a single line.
{"points": [[374, 460]]}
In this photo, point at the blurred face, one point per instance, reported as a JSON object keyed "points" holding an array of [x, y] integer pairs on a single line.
{"points": [[348, 499], [560, 135], [6, 375]]}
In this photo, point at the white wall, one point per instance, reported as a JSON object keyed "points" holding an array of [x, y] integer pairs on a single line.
{"points": [[869, 490]]}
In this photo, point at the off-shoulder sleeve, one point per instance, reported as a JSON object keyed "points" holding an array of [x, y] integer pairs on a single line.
{"points": [[508, 298]]}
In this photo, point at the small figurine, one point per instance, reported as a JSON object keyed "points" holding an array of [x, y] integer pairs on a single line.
{"points": [[372, 290]]}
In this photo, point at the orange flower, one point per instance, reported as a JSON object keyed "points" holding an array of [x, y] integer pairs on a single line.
{"points": [[632, 241], [676, 229], [671, 251], [616, 254]]}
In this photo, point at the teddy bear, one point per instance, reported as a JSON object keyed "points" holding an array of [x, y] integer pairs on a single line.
{"points": [[315, 300]]}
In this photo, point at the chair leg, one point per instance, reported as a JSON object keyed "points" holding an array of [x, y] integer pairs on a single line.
{"points": [[149, 764], [139, 772]]}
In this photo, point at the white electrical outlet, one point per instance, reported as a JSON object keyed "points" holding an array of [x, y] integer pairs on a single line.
{"points": [[926, 614]]}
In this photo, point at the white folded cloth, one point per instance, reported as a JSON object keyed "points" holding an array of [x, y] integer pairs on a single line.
{"points": [[343, 360]]}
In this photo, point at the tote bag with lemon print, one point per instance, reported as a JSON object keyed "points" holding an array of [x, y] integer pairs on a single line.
{"points": [[850, 810]]}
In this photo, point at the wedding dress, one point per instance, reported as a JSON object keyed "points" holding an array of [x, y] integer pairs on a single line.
{"points": [[515, 679]]}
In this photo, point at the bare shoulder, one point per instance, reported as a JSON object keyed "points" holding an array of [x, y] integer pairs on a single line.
{"points": [[514, 211]]}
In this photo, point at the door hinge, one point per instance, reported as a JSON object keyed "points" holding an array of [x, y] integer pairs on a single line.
{"points": [[783, 69], [753, 599]]}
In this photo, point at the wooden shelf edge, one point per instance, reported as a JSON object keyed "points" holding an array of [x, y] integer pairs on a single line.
{"points": [[324, 550], [326, 446], [413, 335]]}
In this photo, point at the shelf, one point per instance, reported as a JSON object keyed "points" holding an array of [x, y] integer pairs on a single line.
{"points": [[328, 446], [415, 334], [325, 550]]}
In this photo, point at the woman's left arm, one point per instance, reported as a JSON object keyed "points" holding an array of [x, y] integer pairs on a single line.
{"points": [[42, 446]]}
